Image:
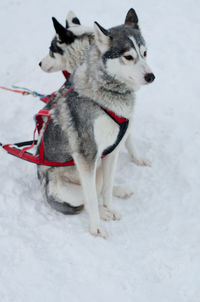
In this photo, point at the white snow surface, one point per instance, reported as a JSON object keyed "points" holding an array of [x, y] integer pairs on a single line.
{"points": [[153, 253]]}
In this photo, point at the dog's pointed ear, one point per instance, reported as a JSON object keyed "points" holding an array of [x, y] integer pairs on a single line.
{"points": [[131, 18], [102, 37], [64, 35], [72, 20], [60, 30]]}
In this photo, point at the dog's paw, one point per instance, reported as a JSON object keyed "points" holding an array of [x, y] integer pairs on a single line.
{"points": [[99, 231], [108, 214], [141, 162], [122, 191]]}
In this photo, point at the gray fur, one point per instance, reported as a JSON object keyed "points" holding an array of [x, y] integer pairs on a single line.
{"points": [[92, 79], [70, 132], [72, 128], [60, 206], [120, 45]]}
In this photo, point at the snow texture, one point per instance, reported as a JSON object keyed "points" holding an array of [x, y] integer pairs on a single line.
{"points": [[153, 253]]}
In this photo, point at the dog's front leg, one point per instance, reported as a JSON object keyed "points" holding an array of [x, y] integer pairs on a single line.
{"points": [[134, 154], [87, 172], [109, 166]]}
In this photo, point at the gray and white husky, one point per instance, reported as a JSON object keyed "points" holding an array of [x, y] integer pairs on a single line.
{"points": [[114, 68], [67, 51]]}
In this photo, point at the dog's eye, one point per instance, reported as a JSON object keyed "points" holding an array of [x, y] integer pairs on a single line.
{"points": [[145, 54], [129, 58]]}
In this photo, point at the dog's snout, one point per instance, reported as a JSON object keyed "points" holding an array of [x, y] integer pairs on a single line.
{"points": [[149, 77], [40, 64]]}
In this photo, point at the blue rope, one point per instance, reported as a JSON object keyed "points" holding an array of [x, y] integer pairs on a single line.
{"points": [[32, 92]]}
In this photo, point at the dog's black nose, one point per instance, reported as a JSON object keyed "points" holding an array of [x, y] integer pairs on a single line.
{"points": [[149, 77], [40, 64]]}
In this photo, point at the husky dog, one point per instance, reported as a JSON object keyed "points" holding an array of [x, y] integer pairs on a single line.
{"points": [[67, 51], [80, 129], [68, 48]]}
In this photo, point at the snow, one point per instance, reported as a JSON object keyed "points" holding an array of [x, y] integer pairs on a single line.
{"points": [[152, 254]]}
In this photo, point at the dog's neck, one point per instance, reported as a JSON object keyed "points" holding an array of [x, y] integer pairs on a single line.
{"points": [[91, 80]]}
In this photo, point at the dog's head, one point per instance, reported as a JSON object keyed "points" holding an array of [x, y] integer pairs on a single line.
{"points": [[124, 53], [68, 47]]}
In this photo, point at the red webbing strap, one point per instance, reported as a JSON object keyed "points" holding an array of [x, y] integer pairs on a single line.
{"points": [[39, 160], [40, 122], [66, 74], [47, 98], [32, 145], [56, 164], [118, 119], [34, 159], [14, 90], [39, 118], [18, 152], [68, 91]]}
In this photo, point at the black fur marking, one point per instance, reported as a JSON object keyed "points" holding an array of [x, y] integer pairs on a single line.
{"points": [[55, 48], [65, 36], [68, 38], [76, 21], [66, 24], [114, 53]]}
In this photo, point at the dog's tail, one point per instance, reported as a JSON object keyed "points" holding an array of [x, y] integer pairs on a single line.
{"points": [[63, 207], [58, 205]]}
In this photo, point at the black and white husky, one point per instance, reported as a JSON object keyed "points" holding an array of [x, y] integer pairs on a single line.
{"points": [[79, 129], [68, 48], [67, 51]]}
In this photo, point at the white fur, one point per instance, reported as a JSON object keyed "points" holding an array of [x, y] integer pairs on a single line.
{"points": [[139, 161], [88, 181], [122, 191], [97, 180], [102, 41], [80, 30], [140, 52], [50, 64], [65, 190], [73, 55], [70, 16], [106, 135], [131, 72]]}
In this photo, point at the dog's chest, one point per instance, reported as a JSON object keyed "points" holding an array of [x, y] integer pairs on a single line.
{"points": [[105, 132]]}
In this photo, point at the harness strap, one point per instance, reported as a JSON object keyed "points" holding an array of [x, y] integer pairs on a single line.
{"points": [[14, 90], [47, 98], [66, 74], [43, 97], [39, 160], [39, 125], [32, 158], [123, 125]]}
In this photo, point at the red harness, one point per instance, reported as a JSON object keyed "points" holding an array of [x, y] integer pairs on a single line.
{"points": [[44, 113]]}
